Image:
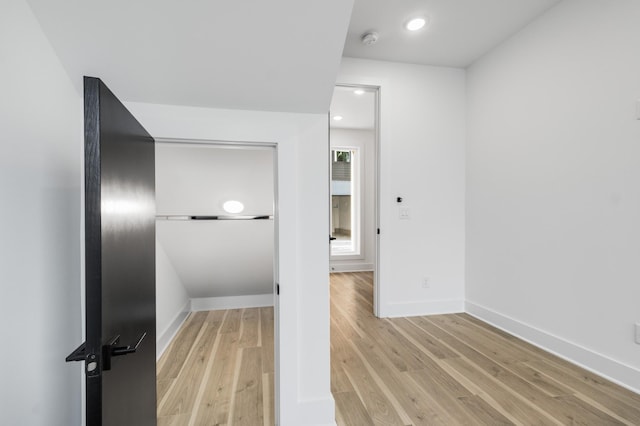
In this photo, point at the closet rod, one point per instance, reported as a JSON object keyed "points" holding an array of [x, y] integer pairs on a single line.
{"points": [[219, 217]]}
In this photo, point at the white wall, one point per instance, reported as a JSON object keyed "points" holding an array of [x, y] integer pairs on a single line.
{"points": [[40, 177], [422, 160], [172, 300], [553, 233], [305, 396], [365, 140], [196, 179]]}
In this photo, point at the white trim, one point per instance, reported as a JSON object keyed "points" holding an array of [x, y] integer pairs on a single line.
{"points": [[164, 339], [422, 307], [351, 267], [609, 368], [317, 412], [231, 302]]}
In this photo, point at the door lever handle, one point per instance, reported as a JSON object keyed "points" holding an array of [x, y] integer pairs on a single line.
{"points": [[125, 350], [110, 350]]}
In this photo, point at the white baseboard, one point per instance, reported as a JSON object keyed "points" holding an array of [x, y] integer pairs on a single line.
{"points": [[316, 412], [169, 333], [622, 374], [420, 308], [231, 302], [351, 267]]}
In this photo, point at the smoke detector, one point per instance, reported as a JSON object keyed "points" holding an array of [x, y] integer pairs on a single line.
{"points": [[369, 38]]}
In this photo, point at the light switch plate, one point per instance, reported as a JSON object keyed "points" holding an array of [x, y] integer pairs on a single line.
{"points": [[404, 213]]}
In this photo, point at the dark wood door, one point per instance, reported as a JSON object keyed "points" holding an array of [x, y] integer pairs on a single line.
{"points": [[120, 350]]}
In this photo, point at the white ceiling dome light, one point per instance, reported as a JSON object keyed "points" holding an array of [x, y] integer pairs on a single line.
{"points": [[233, 206], [415, 24]]}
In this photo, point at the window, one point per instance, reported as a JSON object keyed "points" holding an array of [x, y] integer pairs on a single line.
{"points": [[345, 201]]}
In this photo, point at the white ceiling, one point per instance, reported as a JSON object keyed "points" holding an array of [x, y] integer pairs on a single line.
{"points": [[357, 111], [460, 31], [276, 55]]}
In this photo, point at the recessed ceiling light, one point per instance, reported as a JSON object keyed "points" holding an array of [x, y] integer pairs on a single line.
{"points": [[415, 24], [233, 206], [337, 117], [359, 92]]}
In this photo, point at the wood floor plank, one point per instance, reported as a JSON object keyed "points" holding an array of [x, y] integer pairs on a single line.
{"points": [[177, 352], [268, 403], [504, 399], [162, 387], [449, 392], [596, 390], [348, 328], [266, 333], [418, 405], [215, 403], [564, 413], [425, 340], [247, 410], [350, 410], [232, 321], [339, 380], [486, 344], [177, 420], [483, 413], [250, 324], [182, 394], [545, 383], [378, 405]]}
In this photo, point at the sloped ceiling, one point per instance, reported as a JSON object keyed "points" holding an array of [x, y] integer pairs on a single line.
{"points": [[276, 55], [220, 258]]}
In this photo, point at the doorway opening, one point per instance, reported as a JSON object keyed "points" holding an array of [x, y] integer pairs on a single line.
{"points": [[354, 182], [217, 257]]}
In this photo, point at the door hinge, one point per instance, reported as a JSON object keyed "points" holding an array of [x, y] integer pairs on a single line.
{"points": [[378, 231], [278, 289]]}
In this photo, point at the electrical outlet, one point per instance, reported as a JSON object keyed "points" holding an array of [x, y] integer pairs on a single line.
{"points": [[426, 283], [638, 333]]}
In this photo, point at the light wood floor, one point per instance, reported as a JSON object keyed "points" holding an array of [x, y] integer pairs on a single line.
{"points": [[218, 370], [433, 370], [454, 370]]}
